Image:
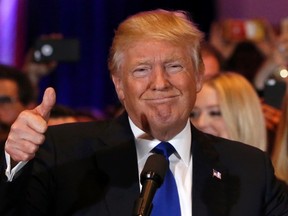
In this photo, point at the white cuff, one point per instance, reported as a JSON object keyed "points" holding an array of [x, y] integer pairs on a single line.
{"points": [[11, 173]]}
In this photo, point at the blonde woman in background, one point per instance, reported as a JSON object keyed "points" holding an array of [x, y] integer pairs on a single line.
{"points": [[229, 107], [280, 152]]}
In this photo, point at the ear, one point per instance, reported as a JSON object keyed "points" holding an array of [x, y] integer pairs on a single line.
{"points": [[199, 81], [118, 87], [199, 75]]}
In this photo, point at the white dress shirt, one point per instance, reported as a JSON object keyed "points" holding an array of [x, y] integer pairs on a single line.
{"points": [[180, 162], [11, 173]]}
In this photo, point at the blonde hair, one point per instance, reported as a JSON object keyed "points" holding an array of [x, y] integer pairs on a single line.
{"points": [[169, 26], [241, 109], [280, 151]]}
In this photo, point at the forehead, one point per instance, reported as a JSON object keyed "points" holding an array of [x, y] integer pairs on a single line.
{"points": [[8, 87], [207, 95], [155, 49]]}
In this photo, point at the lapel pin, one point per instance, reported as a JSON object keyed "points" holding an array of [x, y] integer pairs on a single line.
{"points": [[216, 174]]}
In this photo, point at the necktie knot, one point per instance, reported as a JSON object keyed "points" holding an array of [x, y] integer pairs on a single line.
{"points": [[164, 148]]}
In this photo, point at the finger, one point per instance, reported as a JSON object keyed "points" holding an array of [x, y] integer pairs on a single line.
{"points": [[23, 140], [18, 155], [33, 133], [49, 100], [25, 152]]}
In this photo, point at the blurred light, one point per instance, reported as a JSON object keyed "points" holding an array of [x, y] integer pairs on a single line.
{"points": [[8, 23], [283, 73], [271, 82]]}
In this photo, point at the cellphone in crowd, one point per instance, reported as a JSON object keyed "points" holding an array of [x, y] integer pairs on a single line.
{"points": [[274, 92], [239, 30], [61, 50]]}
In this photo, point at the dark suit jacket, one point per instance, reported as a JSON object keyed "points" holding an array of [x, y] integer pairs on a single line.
{"points": [[91, 169]]}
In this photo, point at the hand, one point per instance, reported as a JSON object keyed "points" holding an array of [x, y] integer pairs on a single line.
{"points": [[275, 61], [27, 132], [272, 116], [282, 49], [216, 38], [37, 70]]}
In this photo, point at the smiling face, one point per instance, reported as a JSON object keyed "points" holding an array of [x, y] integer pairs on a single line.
{"points": [[206, 114], [157, 85]]}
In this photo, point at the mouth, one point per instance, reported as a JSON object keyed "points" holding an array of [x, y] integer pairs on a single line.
{"points": [[160, 100]]}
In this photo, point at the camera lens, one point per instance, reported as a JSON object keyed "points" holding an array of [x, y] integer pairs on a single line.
{"points": [[46, 50]]}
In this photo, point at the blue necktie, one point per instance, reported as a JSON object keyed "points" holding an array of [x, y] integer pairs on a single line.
{"points": [[166, 200]]}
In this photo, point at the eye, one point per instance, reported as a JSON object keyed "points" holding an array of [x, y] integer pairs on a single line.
{"points": [[174, 67], [215, 113], [7, 99], [141, 71], [195, 114]]}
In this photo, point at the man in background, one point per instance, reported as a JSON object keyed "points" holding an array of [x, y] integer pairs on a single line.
{"points": [[17, 93]]}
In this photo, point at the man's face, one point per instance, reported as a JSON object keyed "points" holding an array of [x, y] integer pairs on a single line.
{"points": [[10, 106], [158, 87]]}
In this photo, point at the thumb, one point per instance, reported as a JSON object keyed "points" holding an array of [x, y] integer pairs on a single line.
{"points": [[48, 101]]}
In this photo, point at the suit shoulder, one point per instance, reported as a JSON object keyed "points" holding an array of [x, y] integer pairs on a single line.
{"points": [[234, 152], [225, 148], [79, 128], [236, 146]]}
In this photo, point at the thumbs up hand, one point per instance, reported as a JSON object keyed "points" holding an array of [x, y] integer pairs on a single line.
{"points": [[27, 132]]}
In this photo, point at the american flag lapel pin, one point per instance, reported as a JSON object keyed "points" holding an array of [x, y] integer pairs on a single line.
{"points": [[216, 174]]}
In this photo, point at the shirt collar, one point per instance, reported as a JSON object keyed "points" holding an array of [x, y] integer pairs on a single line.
{"points": [[181, 142]]}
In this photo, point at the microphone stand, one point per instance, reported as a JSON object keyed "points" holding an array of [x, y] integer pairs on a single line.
{"points": [[143, 204], [151, 178]]}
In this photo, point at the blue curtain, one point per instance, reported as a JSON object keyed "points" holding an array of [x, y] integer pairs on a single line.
{"points": [[86, 83]]}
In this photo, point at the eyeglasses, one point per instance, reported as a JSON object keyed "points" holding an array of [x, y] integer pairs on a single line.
{"points": [[5, 100]]}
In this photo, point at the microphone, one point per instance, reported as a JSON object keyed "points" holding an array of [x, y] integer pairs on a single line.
{"points": [[151, 178]]}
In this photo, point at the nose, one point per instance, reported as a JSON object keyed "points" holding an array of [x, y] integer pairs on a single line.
{"points": [[160, 79]]}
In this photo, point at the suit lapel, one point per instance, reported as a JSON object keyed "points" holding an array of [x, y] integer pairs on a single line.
{"points": [[119, 162], [209, 191]]}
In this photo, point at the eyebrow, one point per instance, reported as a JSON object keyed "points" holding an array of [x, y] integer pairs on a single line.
{"points": [[209, 106], [214, 106]]}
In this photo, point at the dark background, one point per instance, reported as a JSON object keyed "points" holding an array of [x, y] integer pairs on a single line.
{"points": [[86, 83]]}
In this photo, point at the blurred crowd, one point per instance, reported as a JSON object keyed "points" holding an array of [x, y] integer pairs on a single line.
{"points": [[245, 88]]}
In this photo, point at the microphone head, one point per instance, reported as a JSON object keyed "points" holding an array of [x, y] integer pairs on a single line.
{"points": [[154, 169]]}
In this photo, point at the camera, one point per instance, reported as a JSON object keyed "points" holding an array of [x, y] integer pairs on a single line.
{"points": [[62, 50], [274, 91]]}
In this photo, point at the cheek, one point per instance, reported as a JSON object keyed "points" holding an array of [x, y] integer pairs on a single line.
{"points": [[131, 90], [9, 117], [221, 127], [192, 93], [16, 110]]}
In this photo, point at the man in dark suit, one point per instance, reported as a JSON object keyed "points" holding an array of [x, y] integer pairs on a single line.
{"points": [[93, 168]]}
